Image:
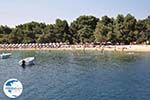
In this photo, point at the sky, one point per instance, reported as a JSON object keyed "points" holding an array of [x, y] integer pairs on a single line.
{"points": [[14, 12]]}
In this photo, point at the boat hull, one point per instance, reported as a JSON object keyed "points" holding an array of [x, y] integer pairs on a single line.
{"points": [[27, 61], [5, 55]]}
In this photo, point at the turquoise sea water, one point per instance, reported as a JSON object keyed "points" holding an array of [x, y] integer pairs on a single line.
{"points": [[78, 75]]}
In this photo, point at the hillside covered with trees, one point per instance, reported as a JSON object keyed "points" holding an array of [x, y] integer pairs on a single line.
{"points": [[85, 29]]}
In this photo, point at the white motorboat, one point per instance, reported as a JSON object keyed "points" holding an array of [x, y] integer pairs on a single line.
{"points": [[5, 55], [27, 61]]}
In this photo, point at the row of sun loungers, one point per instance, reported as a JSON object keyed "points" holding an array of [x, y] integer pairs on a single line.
{"points": [[46, 45]]}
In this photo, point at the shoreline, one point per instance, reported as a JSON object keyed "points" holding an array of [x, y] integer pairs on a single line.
{"points": [[115, 48]]}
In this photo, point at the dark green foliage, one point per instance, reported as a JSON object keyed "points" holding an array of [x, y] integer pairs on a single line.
{"points": [[85, 29], [58, 32]]}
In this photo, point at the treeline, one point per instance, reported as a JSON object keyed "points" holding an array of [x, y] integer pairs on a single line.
{"points": [[85, 29]]}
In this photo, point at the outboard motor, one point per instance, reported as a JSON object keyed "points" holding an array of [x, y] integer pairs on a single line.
{"points": [[23, 63]]}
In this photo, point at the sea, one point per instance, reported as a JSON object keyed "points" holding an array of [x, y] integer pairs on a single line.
{"points": [[79, 75]]}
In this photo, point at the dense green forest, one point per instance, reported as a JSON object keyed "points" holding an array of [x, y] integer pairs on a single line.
{"points": [[85, 29]]}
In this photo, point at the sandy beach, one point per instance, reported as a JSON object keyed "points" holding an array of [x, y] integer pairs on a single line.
{"points": [[119, 48]]}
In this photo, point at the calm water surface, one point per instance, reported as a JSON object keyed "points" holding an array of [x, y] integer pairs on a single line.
{"points": [[72, 75]]}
